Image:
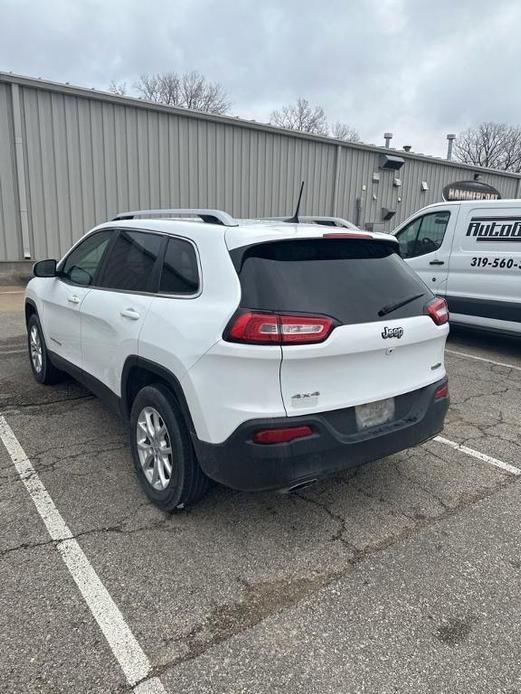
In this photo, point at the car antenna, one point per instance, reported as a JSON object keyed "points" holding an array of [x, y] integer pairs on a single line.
{"points": [[294, 219]]}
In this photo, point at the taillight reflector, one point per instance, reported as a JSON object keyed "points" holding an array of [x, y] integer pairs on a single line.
{"points": [[346, 235], [442, 392], [267, 436], [270, 328], [438, 310]]}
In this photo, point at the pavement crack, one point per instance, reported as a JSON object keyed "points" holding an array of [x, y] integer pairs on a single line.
{"points": [[14, 408], [338, 536], [163, 523], [262, 600]]}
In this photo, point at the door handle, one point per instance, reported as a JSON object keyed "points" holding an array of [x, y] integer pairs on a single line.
{"points": [[73, 299], [437, 262], [130, 313]]}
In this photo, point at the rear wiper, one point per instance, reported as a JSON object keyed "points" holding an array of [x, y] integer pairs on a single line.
{"points": [[392, 307]]}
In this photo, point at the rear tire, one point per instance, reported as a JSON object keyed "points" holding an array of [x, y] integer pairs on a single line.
{"points": [[164, 458], [43, 369]]}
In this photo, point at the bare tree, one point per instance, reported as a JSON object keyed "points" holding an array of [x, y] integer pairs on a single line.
{"points": [[189, 90], [119, 88], [494, 145], [342, 131], [301, 116]]}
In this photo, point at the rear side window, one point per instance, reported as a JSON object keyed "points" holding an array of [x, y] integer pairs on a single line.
{"points": [[131, 262], [179, 274], [350, 280]]}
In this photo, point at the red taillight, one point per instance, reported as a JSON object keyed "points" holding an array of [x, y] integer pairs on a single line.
{"points": [[270, 328], [285, 435], [256, 327], [442, 392], [438, 310], [346, 235]]}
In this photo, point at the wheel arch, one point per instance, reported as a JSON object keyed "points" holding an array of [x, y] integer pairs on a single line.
{"points": [[139, 372], [30, 310]]}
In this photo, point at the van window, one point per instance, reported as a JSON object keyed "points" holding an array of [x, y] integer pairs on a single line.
{"points": [[407, 238], [423, 235], [350, 280]]}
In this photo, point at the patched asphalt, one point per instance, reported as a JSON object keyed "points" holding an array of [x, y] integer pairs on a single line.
{"points": [[401, 576]]}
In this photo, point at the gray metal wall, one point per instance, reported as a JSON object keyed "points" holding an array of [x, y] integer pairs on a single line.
{"points": [[73, 158]]}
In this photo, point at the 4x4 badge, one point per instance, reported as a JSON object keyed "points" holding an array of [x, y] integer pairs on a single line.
{"points": [[392, 332]]}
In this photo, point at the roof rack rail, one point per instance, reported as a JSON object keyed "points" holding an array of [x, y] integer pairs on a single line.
{"points": [[324, 221], [207, 216], [329, 221]]}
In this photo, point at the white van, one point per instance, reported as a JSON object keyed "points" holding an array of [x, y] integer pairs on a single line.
{"points": [[470, 254]]}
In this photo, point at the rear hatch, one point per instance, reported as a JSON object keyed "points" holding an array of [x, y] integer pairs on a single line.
{"points": [[380, 340]]}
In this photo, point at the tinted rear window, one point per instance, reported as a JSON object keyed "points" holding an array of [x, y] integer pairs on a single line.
{"points": [[350, 280]]}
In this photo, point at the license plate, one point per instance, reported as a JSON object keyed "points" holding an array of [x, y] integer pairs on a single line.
{"points": [[374, 413]]}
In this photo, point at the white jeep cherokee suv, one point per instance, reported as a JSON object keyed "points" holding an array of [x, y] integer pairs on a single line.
{"points": [[261, 354]]}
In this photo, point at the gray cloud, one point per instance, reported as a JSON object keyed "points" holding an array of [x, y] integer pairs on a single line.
{"points": [[418, 69]]}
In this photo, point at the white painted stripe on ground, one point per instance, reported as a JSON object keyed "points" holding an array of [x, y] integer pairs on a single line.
{"points": [[480, 456], [151, 686], [13, 351], [123, 643], [466, 355], [21, 291]]}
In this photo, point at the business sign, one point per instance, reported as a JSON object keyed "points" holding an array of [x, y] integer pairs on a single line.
{"points": [[470, 190], [495, 228]]}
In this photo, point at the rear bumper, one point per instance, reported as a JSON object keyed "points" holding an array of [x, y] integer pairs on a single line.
{"points": [[241, 464]]}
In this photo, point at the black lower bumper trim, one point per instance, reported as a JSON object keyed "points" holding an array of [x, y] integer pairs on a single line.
{"points": [[241, 464]]}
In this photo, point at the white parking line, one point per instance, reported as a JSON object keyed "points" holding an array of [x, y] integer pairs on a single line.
{"points": [[123, 643], [21, 291], [480, 456], [151, 686], [466, 355]]}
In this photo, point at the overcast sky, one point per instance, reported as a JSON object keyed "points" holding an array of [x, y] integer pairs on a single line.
{"points": [[417, 68]]}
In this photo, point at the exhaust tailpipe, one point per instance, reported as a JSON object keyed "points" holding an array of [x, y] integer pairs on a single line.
{"points": [[298, 486]]}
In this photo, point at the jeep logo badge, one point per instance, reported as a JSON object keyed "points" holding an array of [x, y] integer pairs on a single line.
{"points": [[392, 332]]}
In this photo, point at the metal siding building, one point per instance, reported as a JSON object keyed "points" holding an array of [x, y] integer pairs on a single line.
{"points": [[71, 158]]}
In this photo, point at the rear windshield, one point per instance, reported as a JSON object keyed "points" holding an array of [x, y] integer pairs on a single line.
{"points": [[350, 280]]}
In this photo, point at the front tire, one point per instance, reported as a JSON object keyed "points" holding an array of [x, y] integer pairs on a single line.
{"points": [[163, 454], [43, 369]]}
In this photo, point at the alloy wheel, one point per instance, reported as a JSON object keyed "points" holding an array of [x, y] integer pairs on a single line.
{"points": [[154, 448], [36, 349]]}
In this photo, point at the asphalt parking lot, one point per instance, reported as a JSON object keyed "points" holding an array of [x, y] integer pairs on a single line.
{"points": [[400, 576]]}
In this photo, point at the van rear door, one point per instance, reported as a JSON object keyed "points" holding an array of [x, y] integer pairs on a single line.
{"points": [[484, 285], [382, 342]]}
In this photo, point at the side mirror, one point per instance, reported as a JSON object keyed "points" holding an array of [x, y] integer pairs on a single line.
{"points": [[79, 276], [45, 268]]}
